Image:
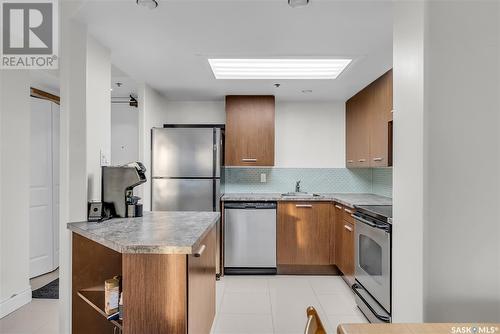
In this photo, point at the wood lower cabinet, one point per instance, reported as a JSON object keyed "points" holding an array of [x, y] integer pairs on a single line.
{"points": [[303, 233], [201, 287], [344, 240], [368, 113], [348, 249], [162, 293], [249, 132], [336, 236], [312, 237]]}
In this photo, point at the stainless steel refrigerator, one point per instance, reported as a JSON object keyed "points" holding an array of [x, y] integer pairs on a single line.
{"points": [[186, 167]]}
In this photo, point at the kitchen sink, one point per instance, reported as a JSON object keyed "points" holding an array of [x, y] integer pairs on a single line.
{"points": [[299, 194]]}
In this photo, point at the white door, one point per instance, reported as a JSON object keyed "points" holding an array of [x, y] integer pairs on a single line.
{"points": [[41, 227], [55, 182]]}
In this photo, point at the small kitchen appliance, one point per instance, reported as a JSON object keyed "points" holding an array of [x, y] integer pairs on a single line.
{"points": [[118, 183]]}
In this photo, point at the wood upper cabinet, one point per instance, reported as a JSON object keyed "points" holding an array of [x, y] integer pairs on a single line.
{"points": [[303, 233], [367, 124], [249, 131], [380, 115], [351, 131], [357, 131]]}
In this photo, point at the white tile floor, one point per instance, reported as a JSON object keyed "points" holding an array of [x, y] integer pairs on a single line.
{"points": [[245, 304], [277, 304], [41, 316]]}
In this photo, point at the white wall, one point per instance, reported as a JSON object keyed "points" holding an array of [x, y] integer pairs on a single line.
{"points": [[446, 254], [462, 228], [152, 113], [310, 135], [195, 113], [98, 114], [85, 102], [124, 134], [408, 170], [73, 142], [15, 290]]}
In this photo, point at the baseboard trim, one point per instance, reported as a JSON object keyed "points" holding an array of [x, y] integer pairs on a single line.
{"points": [[286, 269], [16, 301]]}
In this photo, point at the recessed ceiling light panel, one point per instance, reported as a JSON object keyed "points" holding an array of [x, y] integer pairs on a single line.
{"points": [[278, 68]]}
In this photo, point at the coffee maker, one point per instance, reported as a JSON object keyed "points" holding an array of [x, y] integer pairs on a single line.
{"points": [[118, 183]]}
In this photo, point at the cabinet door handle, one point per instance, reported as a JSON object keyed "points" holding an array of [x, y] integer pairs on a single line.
{"points": [[347, 227], [249, 160], [200, 251], [348, 211], [338, 206], [378, 159], [303, 206], [362, 160], [350, 161]]}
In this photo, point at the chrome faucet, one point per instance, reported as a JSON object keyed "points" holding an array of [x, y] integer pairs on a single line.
{"points": [[297, 186]]}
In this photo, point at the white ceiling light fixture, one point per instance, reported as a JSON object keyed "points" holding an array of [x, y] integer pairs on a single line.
{"points": [[150, 4], [278, 68], [298, 3]]}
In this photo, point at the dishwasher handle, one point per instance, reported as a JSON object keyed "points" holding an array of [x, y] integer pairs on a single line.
{"points": [[250, 205]]}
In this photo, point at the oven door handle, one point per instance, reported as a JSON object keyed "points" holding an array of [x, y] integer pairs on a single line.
{"points": [[369, 223], [383, 318]]}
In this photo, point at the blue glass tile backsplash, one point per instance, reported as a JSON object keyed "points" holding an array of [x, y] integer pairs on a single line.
{"points": [[321, 180]]}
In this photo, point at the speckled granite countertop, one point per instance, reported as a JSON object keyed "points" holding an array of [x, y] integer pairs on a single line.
{"points": [[154, 233], [348, 199]]}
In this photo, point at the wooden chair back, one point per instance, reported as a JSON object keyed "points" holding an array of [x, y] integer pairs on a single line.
{"points": [[314, 324]]}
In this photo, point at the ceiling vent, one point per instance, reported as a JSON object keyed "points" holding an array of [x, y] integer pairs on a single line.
{"points": [[298, 3]]}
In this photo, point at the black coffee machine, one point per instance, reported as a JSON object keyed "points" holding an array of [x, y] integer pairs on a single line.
{"points": [[118, 183]]}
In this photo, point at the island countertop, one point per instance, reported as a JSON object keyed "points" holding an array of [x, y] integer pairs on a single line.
{"points": [[154, 233]]}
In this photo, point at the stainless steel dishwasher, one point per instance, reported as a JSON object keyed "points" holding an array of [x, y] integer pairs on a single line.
{"points": [[249, 238]]}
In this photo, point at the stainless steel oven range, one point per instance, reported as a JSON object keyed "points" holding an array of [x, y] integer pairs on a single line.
{"points": [[373, 261]]}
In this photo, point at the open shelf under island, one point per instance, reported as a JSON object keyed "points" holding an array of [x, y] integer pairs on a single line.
{"points": [[167, 262]]}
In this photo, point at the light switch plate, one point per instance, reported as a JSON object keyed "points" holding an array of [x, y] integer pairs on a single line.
{"points": [[104, 159], [263, 177]]}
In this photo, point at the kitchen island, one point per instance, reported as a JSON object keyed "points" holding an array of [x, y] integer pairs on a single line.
{"points": [[167, 264]]}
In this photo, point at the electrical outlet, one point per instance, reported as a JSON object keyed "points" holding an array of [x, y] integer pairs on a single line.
{"points": [[263, 177]]}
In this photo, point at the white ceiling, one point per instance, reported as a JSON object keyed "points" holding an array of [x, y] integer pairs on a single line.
{"points": [[168, 47], [128, 85], [46, 80]]}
